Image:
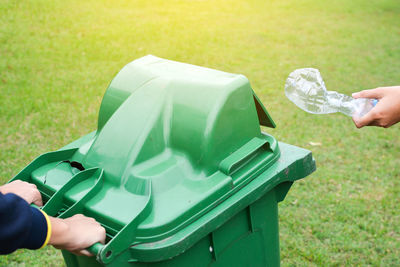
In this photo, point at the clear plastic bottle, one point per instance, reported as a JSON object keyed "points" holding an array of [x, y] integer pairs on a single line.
{"points": [[306, 89]]}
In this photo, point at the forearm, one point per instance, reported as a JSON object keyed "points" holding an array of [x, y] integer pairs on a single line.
{"points": [[59, 232]]}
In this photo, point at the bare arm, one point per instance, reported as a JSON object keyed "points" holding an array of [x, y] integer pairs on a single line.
{"points": [[386, 113]]}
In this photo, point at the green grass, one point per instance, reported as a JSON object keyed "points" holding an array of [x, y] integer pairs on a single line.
{"points": [[57, 58]]}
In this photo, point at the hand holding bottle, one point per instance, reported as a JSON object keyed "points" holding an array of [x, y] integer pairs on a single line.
{"points": [[387, 110]]}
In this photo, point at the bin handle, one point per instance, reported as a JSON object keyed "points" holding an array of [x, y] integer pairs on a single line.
{"points": [[95, 249]]}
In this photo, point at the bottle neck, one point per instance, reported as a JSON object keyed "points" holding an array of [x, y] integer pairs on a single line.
{"points": [[341, 102]]}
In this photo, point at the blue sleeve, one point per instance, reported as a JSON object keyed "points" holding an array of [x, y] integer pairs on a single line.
{"points": [[21, 226]]}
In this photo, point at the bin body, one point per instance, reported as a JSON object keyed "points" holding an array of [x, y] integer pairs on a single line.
{"points": [[178, 171], [250, 238]]}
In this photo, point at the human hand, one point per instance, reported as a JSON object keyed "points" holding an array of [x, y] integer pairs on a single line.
{"points": [[387, 110], [27, 191], [76, 233]]}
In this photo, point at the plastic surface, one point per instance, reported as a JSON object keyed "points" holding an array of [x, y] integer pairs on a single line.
{"points": [[306, 89], [95, 249], [177, 154]]}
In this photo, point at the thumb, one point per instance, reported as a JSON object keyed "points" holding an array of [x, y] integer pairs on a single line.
{"points": [[371, 93]]}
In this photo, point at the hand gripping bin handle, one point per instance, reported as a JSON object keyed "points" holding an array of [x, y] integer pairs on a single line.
{"points": [[95, 249]]}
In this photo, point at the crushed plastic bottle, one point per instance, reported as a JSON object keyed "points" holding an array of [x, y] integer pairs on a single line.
{"points": [[306, 89]]}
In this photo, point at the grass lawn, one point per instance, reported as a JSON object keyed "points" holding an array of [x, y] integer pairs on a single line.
{"points": [[57, 58]]}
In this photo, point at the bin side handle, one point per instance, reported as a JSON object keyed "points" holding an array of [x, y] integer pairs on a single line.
{"points": [[96, 249], [122, 240], [243, 155]]}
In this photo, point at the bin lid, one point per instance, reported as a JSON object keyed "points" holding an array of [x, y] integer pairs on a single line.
{"points": [[190, 135], [173, 142]]}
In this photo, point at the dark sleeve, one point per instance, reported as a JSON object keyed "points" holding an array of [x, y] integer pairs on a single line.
{"points": [[21, 226]]}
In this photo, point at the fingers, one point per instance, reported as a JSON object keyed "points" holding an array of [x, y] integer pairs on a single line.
{"points": [[83, 252], [371, 93], [102, 234], [372, 118], [367, 119], [35, 195], [32, 194], [85, 231], [37, 198]]}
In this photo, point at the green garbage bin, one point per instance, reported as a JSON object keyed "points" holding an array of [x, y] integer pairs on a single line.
{"points": [[178, 171]]}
